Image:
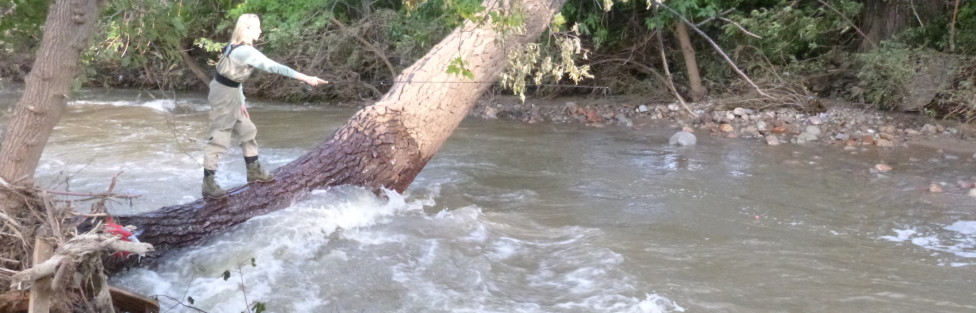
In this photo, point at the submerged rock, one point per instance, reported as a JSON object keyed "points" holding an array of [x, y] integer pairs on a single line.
{"points": [[683, 138]]}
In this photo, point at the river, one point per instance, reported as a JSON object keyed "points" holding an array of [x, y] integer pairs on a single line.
{"points": [[512, 217]]}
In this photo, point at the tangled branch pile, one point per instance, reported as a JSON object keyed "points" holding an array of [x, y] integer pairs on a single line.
{"points": [[44, 253]]}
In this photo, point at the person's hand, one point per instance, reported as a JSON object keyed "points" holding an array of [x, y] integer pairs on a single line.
{"points": [[244, 111], [311, 80]]}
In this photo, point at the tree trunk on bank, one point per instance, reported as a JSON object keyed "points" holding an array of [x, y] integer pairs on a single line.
{"points": [[691, 64], [70, 23], [883, 19], [384, 145]]}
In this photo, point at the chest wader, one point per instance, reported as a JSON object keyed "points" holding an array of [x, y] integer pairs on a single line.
{"points": [[227, 121]]}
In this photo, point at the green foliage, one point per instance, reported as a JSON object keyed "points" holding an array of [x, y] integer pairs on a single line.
{"points": [[20, 22], [466, 9], [285, 22], [137, 30], [966, 29], [258, 307], [456, 67], [959, 100], [692, 10], [883, 75], [791, 32], [938, 34], [150, 36], [209, 45]]}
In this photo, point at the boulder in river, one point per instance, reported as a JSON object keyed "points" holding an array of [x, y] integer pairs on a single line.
{"points": [[683, 138]]}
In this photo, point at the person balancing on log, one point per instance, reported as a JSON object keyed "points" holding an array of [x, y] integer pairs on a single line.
{"points": [[228, 111]]}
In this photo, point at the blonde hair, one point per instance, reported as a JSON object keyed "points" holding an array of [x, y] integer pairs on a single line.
{"points": [[243, 22]]}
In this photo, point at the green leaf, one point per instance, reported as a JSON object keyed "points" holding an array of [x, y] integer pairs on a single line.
{"points": [[455, 66], [254, 263], [259, 307]]}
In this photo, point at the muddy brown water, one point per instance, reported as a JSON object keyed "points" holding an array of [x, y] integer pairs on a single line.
{"points": [[512, 217]]}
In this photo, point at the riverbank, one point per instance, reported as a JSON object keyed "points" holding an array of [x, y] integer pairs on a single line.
{"points": [[844, 125]]}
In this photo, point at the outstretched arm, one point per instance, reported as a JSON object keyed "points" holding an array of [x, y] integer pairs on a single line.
{"points": [[255, 58]]}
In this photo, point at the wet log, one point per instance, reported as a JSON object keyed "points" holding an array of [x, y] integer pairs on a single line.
{"points": [[384, 145]]}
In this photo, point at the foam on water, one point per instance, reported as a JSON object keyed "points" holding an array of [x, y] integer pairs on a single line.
{"points": [[160, 105], [280, 243], [346, 249], [958, 239]]}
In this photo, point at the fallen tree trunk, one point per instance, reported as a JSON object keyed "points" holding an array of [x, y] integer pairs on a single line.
{"points": [[384, 145]]}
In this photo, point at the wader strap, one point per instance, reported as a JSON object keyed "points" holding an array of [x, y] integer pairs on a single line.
{"points": [[220, 78], [225, 81]]}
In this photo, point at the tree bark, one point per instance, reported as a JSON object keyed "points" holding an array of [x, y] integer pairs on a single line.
{"points": [[69, 25], [883, 19], [691, 64], [384, 145]]}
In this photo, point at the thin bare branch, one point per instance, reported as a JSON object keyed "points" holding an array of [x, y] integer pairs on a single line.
{"points": [[91, 194], [717, 49], [743, 29], [952, 28]]}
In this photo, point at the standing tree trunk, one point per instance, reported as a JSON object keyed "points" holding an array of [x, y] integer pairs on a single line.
{"points": [[384, 145], [691, 64], [69, 25], [883, 19]]}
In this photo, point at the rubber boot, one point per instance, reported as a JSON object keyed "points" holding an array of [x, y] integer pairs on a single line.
{"points": [[254, 171], [210, 187]]}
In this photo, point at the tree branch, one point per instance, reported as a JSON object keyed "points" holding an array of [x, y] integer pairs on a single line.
{"points": [[73, 249], [952, 28], [716, 47], [197, 71]]}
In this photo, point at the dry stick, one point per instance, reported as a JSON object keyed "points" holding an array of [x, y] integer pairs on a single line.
{"points": [[111, 187], [717, 49], [952, 28], [240, 273], [670, 80], [171, 123], [915, 12], [717, 16], [93, 195], [740, 28], [849, 22], [52, 217], [180, 303]]}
